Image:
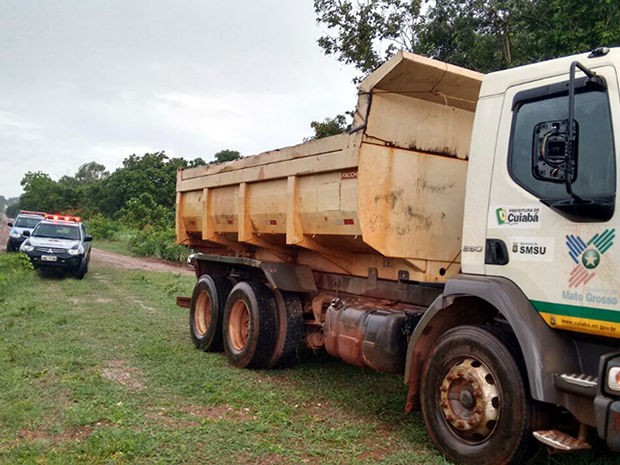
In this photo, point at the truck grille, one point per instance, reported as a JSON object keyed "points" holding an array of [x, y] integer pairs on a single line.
{"points": [[50, 250]]}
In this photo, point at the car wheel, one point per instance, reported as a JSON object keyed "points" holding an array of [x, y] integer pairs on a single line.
{"points": [[82, 269]]}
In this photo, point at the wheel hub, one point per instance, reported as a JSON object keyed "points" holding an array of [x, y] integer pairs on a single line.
{"points": [[202, 313], [470, 400], [239, 325]]}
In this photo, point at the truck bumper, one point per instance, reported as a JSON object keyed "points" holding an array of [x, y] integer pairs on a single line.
{"points": [[608, 421]]}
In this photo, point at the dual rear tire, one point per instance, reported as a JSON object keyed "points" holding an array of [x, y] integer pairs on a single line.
{"points": [[255, 326]]}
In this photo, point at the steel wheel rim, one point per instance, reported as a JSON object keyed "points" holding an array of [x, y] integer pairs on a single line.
{"points": [[470, 400], [203, 313], [239, 325]]}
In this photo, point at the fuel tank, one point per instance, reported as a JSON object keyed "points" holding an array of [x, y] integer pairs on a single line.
{"points": [[366, 336]]}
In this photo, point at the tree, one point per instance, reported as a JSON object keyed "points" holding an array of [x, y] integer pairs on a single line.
{"points": [[91, 172], [484, 35], [152, 173], [366, 33], [329, 127], [41, 193], [225, 155]]}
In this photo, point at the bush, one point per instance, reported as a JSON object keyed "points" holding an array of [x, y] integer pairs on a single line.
{"points": [[101, 227], [159, 243], [13, 266]]}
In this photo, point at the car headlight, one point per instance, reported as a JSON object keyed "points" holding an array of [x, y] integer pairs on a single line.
{"points": [[15, 235], [26, 247], [75, 250]]}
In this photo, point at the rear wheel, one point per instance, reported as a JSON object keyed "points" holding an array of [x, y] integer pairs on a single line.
{"points": [[206, 312], [290, 330], [474, 400], [250, 325]]}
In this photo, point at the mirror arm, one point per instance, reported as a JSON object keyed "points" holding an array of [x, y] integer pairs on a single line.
{"points": [[571, 121]]}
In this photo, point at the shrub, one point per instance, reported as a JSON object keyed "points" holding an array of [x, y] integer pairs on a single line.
{"points": [[159, 243], [13, 266], [101, 227]]}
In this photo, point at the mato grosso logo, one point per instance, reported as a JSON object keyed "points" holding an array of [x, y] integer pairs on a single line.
{"points": [[587, 255]]}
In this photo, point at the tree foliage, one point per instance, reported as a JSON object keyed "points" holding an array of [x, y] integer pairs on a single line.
{"points": [[329, 127], [484, 35], [225, 155], [41, 192], [140, 193]]}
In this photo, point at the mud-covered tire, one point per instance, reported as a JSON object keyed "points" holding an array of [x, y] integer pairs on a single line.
{"points": [[290, 330], [475, 400], [250, 325], [206, 312]]}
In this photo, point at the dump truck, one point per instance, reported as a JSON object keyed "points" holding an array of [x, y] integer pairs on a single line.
{"points": [[462, 233]]}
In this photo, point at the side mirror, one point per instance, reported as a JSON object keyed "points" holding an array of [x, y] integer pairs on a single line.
{"points": [[88, 238], [9, 224], [26, 233], [551, 150]]}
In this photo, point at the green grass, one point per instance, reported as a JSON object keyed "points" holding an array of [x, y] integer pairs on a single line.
{"points": [[103, 371], [121, 247]]}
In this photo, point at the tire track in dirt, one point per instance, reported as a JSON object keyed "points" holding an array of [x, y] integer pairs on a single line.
{"points": [[137, 263]]}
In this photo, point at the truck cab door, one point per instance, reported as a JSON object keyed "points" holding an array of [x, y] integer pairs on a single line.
{"points": [[552, 223]]}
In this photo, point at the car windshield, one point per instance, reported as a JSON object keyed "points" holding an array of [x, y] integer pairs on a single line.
{"points": [[26, 222], [57, 231]]}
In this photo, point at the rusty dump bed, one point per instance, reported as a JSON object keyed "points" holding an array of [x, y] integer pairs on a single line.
{"points": [[386, 199]]}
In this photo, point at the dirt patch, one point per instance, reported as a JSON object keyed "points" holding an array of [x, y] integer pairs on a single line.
{"points": [[76, 433], [189, 416], [219, 413], [142, 305], [130, 377], [137, 263], [4, 232]]}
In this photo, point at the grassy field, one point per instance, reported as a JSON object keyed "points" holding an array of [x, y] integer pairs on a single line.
{"points": [[102, 371], [114, 246]]}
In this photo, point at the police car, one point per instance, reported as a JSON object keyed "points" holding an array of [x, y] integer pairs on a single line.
{"points": [[25, 221], [59, 242]]}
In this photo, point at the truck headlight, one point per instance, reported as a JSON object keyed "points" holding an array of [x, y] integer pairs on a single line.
{"points": [[613, 378], [26, 247], [15, 234]]}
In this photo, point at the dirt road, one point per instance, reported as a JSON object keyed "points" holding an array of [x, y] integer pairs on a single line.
{"points": [[137, 263], [4, 232]]}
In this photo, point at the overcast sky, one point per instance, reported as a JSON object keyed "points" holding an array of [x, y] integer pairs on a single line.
{"points": [[99, 80]]}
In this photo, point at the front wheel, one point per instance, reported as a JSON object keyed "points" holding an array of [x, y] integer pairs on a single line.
{"points": [[474, 400], [82, 269]]}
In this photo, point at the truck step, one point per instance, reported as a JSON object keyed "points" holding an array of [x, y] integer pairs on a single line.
{"points": [[580, 379], [576, 383], [560, 442]]}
